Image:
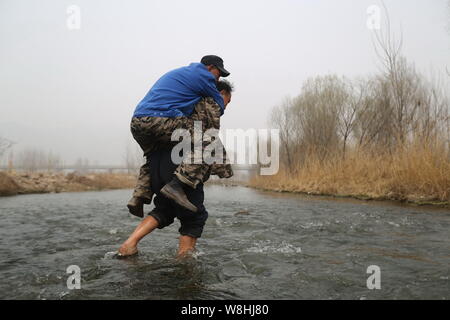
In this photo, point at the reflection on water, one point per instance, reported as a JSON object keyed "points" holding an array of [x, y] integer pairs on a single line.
{"points": [[256, 245]]}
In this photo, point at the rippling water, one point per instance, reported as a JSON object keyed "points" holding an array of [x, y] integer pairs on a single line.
{"points": [[256, 245]]}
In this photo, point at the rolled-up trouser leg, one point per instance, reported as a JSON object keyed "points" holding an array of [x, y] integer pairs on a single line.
{"points": [[139, 129], [143, 185]]}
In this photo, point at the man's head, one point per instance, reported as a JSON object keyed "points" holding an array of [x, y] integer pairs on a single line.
{"points": [[225, 88], [214, 64]]}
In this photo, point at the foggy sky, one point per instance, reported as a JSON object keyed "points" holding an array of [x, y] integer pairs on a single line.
{"points": [[74, 91]]}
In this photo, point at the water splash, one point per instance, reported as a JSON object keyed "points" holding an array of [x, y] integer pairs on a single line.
{"points": [[267, 246], [394, 224], [310, 225], [110, 255], [197, 253]]}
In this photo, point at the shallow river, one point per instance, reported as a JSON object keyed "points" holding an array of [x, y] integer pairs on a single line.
{"points": [[256, 245]]}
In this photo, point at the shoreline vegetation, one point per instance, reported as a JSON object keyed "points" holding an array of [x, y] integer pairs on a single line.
{"points": [[330, 182], [384, 136], [416, 176], [16, 183]]}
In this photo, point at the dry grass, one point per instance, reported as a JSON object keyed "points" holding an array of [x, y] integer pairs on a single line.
{"points": [[102, 181], [415, 173], [23, 182], [8, 185]]}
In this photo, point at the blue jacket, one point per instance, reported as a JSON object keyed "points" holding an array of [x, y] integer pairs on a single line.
{"points": [[177, 92]]}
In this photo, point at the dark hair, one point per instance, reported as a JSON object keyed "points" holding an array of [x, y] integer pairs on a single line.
{"points": [[224, 85]]}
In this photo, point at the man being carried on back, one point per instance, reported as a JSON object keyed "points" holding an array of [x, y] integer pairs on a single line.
{"points": [[175, 101]]}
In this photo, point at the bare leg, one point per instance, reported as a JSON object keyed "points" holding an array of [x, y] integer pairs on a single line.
{"points": [[186, 246], [129, 247]]}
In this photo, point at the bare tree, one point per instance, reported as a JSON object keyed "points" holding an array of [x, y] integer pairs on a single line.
{"points": [[378, 114], [316, 110], [448, 12], [405, 97], [81, 165], [316, 122], [448, 30], [351, 102], [35, 160], [133, 158], [5, 144], [282, 118]]}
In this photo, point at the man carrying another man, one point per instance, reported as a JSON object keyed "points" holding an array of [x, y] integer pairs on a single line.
{"points": [[176, 100]]}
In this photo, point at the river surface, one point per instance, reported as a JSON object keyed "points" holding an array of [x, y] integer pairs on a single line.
{"points": [[256, 245]]}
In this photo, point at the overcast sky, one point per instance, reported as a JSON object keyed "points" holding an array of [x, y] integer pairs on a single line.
{"points": [[74, 91]]}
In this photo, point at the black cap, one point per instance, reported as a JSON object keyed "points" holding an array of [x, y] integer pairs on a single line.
{"points": [[216, 62]]}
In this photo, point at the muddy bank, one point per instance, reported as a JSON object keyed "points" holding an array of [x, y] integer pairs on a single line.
{"points": [[25, 183]]}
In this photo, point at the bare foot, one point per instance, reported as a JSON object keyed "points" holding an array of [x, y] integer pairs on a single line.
{"points": [[185, 254], [127, 250]]}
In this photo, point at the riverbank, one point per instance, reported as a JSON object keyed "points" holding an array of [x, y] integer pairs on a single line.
{"points": [[411, 176], [363, 197], [47, 182]]}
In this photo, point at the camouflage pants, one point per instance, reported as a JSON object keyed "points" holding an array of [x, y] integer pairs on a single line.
{"points": [[153, 133]]}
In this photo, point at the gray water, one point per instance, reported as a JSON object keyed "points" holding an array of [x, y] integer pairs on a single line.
{"points": [[280, 246]]}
